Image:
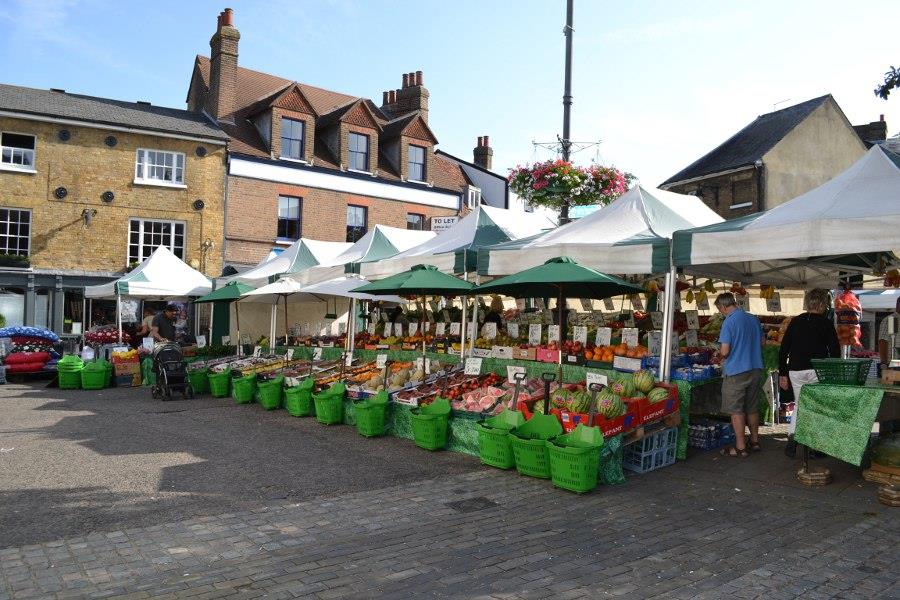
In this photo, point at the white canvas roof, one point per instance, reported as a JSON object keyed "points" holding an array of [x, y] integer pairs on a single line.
{"points": [[629, 236], [841, 226], [296, 292], [162, 275], [302, 254]]}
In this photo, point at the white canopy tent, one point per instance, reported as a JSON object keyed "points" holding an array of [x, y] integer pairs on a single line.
{"points": [[847, 225], [302, 254], [162, 275], [377, 244], [879, 300]]}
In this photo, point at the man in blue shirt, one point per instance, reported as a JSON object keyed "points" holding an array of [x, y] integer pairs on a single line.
{"points": [[741, 340]]}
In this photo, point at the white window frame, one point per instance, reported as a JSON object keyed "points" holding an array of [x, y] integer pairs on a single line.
{"points": [[299, 218], [170, 245], [473, 196], [302, 158], [409, 163], [8, 166], [368, 169], [30, 228], [741, 205], [144, 180]]}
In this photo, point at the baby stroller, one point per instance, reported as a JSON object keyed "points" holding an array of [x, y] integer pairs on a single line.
{"points": [[171, 375]]}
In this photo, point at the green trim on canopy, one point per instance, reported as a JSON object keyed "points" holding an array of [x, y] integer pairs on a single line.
{"points": [[229, 292], [380, 248], [421, 280], [560, 275], [682, 240]]}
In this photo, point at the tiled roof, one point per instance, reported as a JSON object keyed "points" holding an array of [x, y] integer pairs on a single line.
{"points": [[256, 91], [750, 143], [103, 111]]}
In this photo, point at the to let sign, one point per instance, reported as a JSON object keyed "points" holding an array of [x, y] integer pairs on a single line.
{"points": [[439, 224]]}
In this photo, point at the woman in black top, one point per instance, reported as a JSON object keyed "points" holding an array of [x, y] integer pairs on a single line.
{"points": [[809, 335]]}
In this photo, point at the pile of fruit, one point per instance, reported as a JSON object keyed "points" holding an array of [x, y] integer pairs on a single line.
{"points": [[105, 334], [607, 353]]}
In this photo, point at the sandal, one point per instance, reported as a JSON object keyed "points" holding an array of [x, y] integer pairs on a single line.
{"points": [[755, 447], [734, 452]]}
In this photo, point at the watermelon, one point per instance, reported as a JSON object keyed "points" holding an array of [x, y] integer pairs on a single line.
{"points": [[657, 394], [643, 380], [623, 387]]}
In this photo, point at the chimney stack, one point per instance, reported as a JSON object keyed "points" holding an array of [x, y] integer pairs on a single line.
{"points": [[411, 97], [405, 80], [223, 63], [483, 153]]}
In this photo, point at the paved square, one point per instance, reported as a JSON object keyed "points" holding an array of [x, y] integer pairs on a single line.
{"points": [[111, 494]]}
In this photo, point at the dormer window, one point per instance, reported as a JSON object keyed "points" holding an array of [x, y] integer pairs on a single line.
{"points": [[473, 196], [359, 151], [292, 138], [17, 151], [416, 163]]}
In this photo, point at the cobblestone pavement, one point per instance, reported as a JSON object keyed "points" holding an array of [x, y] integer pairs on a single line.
{"points": [[103, 496]]}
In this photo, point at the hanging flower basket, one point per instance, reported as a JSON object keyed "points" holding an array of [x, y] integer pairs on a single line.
{"points": [[554, 182]]}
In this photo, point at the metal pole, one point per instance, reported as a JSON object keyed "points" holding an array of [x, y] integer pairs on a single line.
{"points": [[237, 322], [351, 326], [665, 351], [119, 315], [273, 318], [212, 313], [565, 142]]}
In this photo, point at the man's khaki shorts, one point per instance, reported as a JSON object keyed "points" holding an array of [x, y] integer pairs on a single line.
{"points": [[740, 393]]}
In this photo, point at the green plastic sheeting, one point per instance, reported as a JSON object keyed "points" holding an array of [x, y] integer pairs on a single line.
{"points": [[837, 419]]}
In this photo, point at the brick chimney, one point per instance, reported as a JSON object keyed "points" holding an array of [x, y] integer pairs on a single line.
{"points": [[483, 152], [875, 131], [223, 62], [411, 97]]}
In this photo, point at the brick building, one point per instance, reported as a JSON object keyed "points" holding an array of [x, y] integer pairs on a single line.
{"points": [[304, 161], [778, 156], [89, 186]]}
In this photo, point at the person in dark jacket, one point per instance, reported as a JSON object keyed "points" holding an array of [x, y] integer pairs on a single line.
{"points": [[808, 336]]}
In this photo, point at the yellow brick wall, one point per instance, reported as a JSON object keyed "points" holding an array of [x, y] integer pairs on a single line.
{"points": [[87, 168]]}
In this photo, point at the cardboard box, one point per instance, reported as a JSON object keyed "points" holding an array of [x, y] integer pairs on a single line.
{"points": [[544, 355], [503, 352], [127, 374], [890, 376], [623, 363], [573, 359], [524, 353], [481, 353]]}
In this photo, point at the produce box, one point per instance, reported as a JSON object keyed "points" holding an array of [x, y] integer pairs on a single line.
{"points": [[573, 359], [481, 352], [596, 364], [548, 356], [609, 427], [128, 374], [504, 352], [890, 376], [524, 354], [628, 365], [652, 411]]}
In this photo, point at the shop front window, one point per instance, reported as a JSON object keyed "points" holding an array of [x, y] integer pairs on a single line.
{"points": [[12, 306]]}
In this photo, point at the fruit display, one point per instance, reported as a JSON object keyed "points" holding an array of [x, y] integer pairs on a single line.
{"points": [[608, 353], [848, 312], [105, 334]]}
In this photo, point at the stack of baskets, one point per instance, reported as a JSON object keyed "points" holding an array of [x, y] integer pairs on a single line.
{"points": [[69, 370], [430, 424], [220, 383], [494, 446], [199, 380], [243, 389], [96, 375], [330, 404], [270, 393], [298, 399], [370, 415]]}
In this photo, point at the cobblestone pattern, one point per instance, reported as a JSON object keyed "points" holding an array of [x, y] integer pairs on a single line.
{"points": [[655, 537]]}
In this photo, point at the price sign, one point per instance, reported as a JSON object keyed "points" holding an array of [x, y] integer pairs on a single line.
{"points": [[439, 329], [348, 359], [629, 320], [553, 333], [226, 340], [420, 363], [256, 351], [677, 302], [473, 366], [245, 339], [693, 321], [147, 343], [773, 304], [520, 304], [534, 334], [637, 302], [381, 361], [398, 329], [384, 316], [455, 328], [539, 303], [654, 343], [445, 316], [427, 326], [511, 372], [489, 330], [470, 330], [608, 304], [289, 355], [371, 328], [586, 304], [342, 328], [657, 318], [591, 378], [630, 336], [513, 330], [429, 365], [690, 337], [743, 302], [201, 341], [703, 303], [580, 334], [317, 353], [604, 336], [413, 328]]}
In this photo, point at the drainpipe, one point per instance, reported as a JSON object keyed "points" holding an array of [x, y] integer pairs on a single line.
{"points": [[760, 186], [225, 207]]}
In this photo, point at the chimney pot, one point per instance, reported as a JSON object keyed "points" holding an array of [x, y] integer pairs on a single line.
{"points": [[392, 96], [384, 98], [228, 17], [406, 80], [480, 141], [418, 77], [881, 118], [487, 141]]}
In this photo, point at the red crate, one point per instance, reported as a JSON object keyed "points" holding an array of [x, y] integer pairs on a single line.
{"points": [[609, 427], [649, 412], [548, 356]]}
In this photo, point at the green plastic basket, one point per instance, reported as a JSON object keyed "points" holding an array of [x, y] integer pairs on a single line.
{"points": [[430, 424], [220, 383], [371, 414], [330, 404], [529, 447], [842, 371], [243, 388], [70, 380], [199, 381], [494, 447], [575, 459], [298, 399], [96, 375], [70, 362], [269, 394]]}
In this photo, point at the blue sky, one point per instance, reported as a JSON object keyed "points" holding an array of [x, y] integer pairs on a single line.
{"points": [[660, 83]]}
